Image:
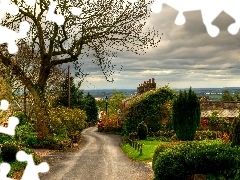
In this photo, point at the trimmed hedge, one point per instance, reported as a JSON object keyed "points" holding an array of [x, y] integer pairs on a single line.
{"points": [[161, 148], [197, 157]]}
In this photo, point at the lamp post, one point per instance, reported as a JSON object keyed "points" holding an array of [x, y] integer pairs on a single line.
{"points": [[106, 99]]}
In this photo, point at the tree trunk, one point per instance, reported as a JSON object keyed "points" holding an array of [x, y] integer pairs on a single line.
{"points": [[41, 115]]}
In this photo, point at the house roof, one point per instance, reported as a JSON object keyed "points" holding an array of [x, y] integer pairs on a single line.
{"points": [[226, 113]]}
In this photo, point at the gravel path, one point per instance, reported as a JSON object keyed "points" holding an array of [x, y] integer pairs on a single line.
{"points": [[100, 158]]}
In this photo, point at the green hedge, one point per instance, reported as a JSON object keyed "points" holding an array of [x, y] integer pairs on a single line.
{"points": [[161, 148], [151, 107], [197, 157]]}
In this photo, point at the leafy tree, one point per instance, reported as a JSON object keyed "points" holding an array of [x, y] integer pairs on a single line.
{"points": [[114, 102], [238, 96], [227, 96], [186, 115], [76, 95], [102, 28], [91, 108]]}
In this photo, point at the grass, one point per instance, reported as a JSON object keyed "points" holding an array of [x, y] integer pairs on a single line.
{"points": [[147, 151]]}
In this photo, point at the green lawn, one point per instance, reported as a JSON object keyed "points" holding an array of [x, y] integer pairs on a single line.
{"points": [[147, 151]]}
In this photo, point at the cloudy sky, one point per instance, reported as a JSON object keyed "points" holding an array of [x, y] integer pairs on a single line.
{"points": [[186, 56]]}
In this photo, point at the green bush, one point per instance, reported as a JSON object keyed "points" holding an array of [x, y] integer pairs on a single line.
{"points": [[162, 147], [142, 130], [22, 132], [22, 118], [198, 157], [205, 135], [5, 138], [65, 121], [9, 151], [186, 115], [32, 140]]}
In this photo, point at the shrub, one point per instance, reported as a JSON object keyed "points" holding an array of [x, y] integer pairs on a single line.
{"points": [[198, 157], [22, 132], [32, 140], [162, 147], [65, 121], [5, 138], [9, 151], [205, 135], [22, 118], [186, 115], [142, 130]]}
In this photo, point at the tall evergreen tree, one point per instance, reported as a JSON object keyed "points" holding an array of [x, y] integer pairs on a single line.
{"points": [[91, 108], [186, 115], [76, 95]]}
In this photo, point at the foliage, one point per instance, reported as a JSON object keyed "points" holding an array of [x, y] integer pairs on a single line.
{"points": [[65, 121], [217, 123], [76, 95], [235, 135], [142, 130], [227, 96], [22, 118], [105, 25], [148, 107], [162, 147], [114, 103], [22, 132], [186, 115], [31, 140], [205, 135], [5, 138], [201, 157], [9, 151], [90, 108]]}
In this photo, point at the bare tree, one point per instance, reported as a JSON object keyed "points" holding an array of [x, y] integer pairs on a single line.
{"points": [[103, 28]]}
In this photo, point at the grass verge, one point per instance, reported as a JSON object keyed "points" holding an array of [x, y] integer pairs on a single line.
{"points": [[147, 151]]}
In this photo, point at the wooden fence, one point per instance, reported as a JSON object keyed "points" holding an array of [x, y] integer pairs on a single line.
{"points": [[137, 146]]}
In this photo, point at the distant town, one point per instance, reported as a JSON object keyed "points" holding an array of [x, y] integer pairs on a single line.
{"points": [[212, 93]]}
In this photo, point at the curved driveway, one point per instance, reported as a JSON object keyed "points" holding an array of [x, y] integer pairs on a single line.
{"points": [[100, 158]]}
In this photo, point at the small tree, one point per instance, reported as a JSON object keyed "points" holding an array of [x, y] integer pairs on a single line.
{"points": [[226, 96], [186, 115], [91, 108]]}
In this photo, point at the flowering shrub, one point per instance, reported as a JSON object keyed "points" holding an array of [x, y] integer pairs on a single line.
{"points": [[224, 137], [65, 121]]}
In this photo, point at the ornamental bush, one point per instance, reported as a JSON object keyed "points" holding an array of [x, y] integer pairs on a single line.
{"points": [[65, 121], [9, 151], [198, 157], [186, 115], [142, 130]]}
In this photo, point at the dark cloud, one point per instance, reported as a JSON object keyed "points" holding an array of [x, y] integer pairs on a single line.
{"points": [[187, 56]]}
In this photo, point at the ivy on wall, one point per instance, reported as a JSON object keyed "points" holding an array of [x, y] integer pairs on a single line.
{"points": [[152, 107]]}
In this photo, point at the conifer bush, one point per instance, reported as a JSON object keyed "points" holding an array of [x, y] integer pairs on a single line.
{"points": [[186, 115], [142, 130]]}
